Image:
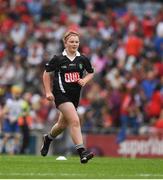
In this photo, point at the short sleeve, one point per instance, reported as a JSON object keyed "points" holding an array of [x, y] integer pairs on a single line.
{"points": [[87, 64], [52, 65]]}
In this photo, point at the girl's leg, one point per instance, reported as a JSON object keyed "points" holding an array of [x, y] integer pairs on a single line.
{"points": [[69, 117], [59, 127], [69, 112], [55, 131]]}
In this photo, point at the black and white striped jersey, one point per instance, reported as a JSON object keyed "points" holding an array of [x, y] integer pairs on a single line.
{"points": [[67, 72]]}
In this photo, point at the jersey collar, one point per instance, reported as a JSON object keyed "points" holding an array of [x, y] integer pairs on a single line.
{"points": [[64, 53]]}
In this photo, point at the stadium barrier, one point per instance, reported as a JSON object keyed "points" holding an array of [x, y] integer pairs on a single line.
{"points": [[34, 143], [61, 145], [147, 146]]}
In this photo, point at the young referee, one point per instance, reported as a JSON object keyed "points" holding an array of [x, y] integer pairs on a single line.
{"points": [[68, 69]]}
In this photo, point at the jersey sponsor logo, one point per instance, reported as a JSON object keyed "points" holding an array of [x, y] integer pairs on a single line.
{"points": [[80, 66], [72, 77], [63, 67], [72, 65]]}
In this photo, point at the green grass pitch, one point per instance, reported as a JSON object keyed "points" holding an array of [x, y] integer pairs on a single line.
{"points": [[37, 167]]}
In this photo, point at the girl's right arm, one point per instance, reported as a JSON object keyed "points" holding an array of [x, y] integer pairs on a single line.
{"points": [[47, 86]]}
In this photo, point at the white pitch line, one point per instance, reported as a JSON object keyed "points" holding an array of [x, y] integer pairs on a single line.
{"points": [[142, 175], [73, 174], [39, 174], [147, 175]]}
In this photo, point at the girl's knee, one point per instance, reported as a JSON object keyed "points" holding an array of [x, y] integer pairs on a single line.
{"points": [[62, 125], [75, 123]]}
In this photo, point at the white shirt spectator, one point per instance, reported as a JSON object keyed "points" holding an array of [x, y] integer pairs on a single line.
{"points": [[18, 33], [14, 109], [159, 29], [115, 79], [7, 72], [35, 55]]}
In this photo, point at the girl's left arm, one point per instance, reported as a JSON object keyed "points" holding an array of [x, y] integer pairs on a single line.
{"points": [[86, 79]]}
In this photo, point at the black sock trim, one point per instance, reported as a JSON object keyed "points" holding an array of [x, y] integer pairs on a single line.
{"points": [[50, 136]]}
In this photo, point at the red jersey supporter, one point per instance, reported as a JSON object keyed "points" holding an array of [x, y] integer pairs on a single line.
{"points": [[134, 45], [21, 8], [159, 122], [6, 25], [148, 26], [130, 20], [111, 16], [125, 104], [27, 19], [107, 117], [85, 102], [153, 108], [159, 68], [63, 18]]}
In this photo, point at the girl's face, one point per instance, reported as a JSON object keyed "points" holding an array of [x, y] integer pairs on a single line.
{"points": [[72, 43]]}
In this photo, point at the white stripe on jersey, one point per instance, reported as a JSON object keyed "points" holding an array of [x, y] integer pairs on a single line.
{"points": [[60, 83]]}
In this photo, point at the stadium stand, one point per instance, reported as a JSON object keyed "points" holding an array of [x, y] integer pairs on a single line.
{"points": [[124, 41]]}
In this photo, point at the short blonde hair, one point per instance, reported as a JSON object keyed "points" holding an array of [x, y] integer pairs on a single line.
{"points": [[16, 89], [68, 34]]}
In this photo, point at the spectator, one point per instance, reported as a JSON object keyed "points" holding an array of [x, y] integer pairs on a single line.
{"points": [[159, 121], [149, 84], [128, 114], [12, 110]]}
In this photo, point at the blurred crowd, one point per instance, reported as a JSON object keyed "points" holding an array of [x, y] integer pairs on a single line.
{"points": [[124, 42]]}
